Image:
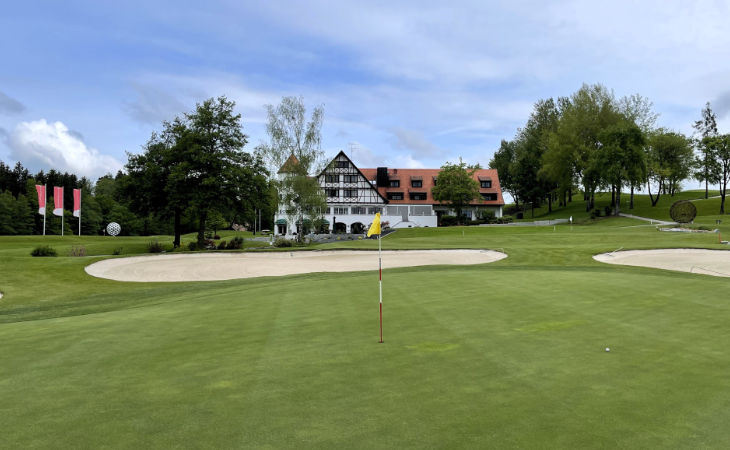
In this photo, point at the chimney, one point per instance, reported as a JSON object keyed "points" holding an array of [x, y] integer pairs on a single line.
{"points": [[382, 177]]}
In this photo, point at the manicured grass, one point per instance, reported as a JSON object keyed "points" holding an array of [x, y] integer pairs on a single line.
{"points": [[503, 355]]}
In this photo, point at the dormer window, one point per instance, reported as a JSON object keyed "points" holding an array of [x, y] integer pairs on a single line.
{"points": [[485, 184], [394, 183]]}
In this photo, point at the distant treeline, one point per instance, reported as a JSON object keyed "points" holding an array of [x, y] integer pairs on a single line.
{"points": [[592, 141], [104, 201]]}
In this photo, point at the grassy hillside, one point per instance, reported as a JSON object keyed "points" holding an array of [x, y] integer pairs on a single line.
{"points": [[709, 208], [509, 354]]}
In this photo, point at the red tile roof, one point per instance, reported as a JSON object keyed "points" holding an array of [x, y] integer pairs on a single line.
{"points": [[427, 175]]}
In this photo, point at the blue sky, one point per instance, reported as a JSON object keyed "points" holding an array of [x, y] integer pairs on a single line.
{"points": [[405, 84]]}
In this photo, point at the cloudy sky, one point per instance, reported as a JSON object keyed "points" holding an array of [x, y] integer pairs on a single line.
{"points": [[403, 84]]}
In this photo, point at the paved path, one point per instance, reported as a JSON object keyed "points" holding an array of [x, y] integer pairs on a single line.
{"points": [[537, 223], [653, 221]]}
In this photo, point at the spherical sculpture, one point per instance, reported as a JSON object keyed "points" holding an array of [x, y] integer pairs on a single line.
{"points": [[113, 229], [683, 211]]}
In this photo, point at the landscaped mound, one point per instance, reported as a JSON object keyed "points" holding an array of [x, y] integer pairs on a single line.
{"points": [[683, 211], [227, 266]]}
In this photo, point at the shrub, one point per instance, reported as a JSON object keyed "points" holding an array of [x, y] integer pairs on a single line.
{"points": [[208, 244], [216, 237], [193, 246], [607, 210], [235, 244], [597, 213], [154, 247], [474, 222], [520, 215], [281, 242], [78, 250], [222, 245], [448, 221], [117, 251], [43, 250], [683, 211]]}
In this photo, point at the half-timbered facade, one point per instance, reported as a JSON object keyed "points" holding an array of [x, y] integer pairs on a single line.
{"points": [[402, 196]]}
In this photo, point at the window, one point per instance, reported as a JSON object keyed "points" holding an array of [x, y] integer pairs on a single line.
{"points": [[332, 178], [359, 210], [394, 183], [326, 211], [489, 197], [435, 180], [418, 196], [350, 178], [374, 210], [395, 196], [333, 193], [416, 183], [486, 183], [340, 211], [350, 193], [341, 164]]}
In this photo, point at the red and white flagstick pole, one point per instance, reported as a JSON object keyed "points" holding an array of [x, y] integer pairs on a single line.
{"points": [[380, 286]]}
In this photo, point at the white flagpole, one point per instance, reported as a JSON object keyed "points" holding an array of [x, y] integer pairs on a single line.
{"points": [[45, 202], [79, 212], [380, 287], [61, 221]]}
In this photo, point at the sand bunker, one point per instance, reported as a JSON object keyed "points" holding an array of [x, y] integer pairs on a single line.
{"points": [[707, 262], [228, 266]]}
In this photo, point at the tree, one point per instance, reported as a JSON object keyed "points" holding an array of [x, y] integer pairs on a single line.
{"points": [[720, 148], [294, 152], [502, 162], [706, 162], [573, 146], [456, 186], [669, 160], [621, 158]]}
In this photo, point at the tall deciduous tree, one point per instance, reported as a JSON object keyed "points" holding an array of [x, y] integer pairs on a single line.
{"points": [[706, 161], [720, 148], [456, 186], [669, 160], [294, 152]]}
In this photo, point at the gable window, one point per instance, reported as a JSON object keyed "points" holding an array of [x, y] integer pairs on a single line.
{"points": [[333, 193], [395, 196], [416, 183], [350, 178], [332, 178], [486, 183], [394, 183], [418, 195], [341, 164], [350, 193]]}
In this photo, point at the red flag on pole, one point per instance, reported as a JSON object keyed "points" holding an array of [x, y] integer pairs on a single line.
{"points": [[41, 199], [77, 203], [58, 201]]}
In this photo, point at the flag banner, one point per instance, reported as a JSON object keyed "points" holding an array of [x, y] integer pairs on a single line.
{"points": [[57, 201], [41, 199], [77, 202], [375, 227]]}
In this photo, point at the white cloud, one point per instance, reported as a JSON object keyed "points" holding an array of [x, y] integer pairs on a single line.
{"points": [[42, 145]]}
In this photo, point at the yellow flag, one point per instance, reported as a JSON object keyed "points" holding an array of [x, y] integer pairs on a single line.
{"points": [[375, 227]]}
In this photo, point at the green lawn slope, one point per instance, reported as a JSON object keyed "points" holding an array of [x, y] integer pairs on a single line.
{"points": [[503, 355]]}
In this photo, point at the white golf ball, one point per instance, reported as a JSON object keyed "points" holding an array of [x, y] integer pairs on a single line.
{"points": [[608, 349]]}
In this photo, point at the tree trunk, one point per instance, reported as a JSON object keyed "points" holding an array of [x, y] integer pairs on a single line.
{"points": [[570, 195], [613, 197], [176, 241], [631, 202], [201, 228], [550, 203], [617, 208]]}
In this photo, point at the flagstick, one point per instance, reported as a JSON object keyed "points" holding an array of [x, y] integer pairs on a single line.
{"points": [[380, 286], [61, 222]]}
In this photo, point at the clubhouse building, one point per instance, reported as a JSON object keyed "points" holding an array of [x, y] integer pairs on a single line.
{"points": [[402, 197]]}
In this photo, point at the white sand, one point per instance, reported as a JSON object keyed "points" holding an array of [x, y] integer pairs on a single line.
{"points": [[707, 262], [227, 266]]}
